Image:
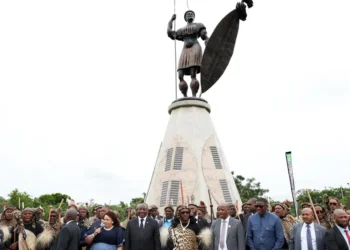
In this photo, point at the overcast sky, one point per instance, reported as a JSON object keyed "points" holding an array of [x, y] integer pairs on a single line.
{"points": [[85, 87]]}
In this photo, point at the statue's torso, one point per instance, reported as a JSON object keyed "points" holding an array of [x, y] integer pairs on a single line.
{"points": [[190, 33]]}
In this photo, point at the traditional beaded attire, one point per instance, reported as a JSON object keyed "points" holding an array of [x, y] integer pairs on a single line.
{"points": [[6, 225], [181, 236]]}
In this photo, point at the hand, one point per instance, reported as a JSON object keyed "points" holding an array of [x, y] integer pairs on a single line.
{"points": [[173, 17], [14, 246], [98, 230]]}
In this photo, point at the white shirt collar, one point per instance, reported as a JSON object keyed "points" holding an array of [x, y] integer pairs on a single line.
{"points": [[227, 219], [311, 224], [144, 218]]}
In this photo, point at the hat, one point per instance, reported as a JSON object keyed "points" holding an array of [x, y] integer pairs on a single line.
{"points": [[28, 209], [202, 204], [305, 204], [153, 207], [169, 207], [180, 208], [192, 204], [8, 208]]}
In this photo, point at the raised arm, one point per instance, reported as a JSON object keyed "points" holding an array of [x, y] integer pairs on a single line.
{"points": [[171, 32]]}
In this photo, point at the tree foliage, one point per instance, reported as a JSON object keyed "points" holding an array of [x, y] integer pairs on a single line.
{"points": [[248, 187], [45, 200], [320, 196]]}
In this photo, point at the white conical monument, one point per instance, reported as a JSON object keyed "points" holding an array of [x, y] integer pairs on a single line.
{"points": [[191, 160]]}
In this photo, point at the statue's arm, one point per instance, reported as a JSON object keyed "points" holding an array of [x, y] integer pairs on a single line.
{"points": [[172, 33], [204, 36]]}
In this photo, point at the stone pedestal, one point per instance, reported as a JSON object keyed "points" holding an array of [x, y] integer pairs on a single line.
{"points": [[191, 160]]}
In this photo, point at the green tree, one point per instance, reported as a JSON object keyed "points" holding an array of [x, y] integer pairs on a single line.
{"points": [[53, 199], [248, 188], [16, 196], [320, 196], [2, 200], [135, 201]]}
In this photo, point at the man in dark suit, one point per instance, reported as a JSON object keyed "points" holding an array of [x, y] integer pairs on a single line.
{"points": [[69, 236], [142, 232], [307, 233], [228, 232], [338, 238]]}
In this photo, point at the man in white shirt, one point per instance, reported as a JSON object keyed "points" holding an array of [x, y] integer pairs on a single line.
{"points": [[228, 233], [307, 235], [142, 233]]}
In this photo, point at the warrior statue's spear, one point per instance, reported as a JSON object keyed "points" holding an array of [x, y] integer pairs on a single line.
{"points": [[175, 50]]}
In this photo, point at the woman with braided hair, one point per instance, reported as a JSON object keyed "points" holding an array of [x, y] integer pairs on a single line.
{"points": [[184, 233]]}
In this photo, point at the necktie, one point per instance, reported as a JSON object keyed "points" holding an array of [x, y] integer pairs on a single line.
{"points": [[309, 238], [222, 234], [347, 235], [141, 226]]}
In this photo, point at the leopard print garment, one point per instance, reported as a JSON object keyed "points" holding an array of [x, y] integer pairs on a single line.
{"points": [[183, 239]]}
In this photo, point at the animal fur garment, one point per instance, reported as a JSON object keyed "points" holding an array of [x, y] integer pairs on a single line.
{"points": [[5, 232], [164, 236], [44, 239], [29, 243], [205, 236]]}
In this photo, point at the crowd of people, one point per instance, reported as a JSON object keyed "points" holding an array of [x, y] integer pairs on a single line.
{"points": [[186, 227]]}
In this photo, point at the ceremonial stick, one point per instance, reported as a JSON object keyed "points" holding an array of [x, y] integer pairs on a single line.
{"points": [[50, 208], [237, 211], [59, 216], [182, 193], [312, 204], [211, 208]]}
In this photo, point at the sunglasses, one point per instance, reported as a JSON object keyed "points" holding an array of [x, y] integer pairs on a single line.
{"points": [[333, 204], [185, 212], [260, 206], [319, 212]]}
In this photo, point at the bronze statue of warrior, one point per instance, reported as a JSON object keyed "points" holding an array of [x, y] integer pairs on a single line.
{"points": [[191, 56]]}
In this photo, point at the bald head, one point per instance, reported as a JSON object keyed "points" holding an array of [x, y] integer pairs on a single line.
{"points": [[338, 212], [223, 210], [306, 210], [71, 214], [307, 215], [224, 204], [341, 218]]}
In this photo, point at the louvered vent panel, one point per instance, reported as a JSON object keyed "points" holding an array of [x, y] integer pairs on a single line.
{"points": [[174, 192], [169, 157], [179, 153], [225, 191], [164, 193], [216, 157]]}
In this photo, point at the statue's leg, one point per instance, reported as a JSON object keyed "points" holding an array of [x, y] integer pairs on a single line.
{"points": [[194, 82], [182, 85]]}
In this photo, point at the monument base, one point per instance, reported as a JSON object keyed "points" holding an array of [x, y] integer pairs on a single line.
{"points": [[191, 163]]}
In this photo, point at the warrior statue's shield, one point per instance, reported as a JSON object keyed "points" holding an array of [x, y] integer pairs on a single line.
{"points": [[219, 50]]}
